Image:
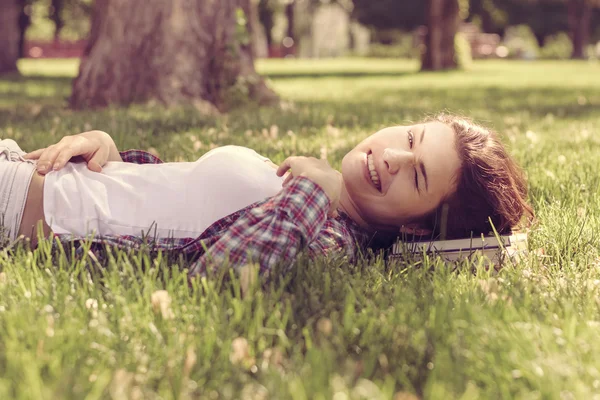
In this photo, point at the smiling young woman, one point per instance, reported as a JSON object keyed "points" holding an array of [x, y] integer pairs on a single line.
{"points": [[446, 177], [399, 174], [442, 177]]}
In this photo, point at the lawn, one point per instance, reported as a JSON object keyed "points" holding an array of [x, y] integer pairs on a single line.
{"points": [[72, 330]]}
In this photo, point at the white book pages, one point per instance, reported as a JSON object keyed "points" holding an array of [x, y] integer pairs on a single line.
{"points": [[494, 250]]}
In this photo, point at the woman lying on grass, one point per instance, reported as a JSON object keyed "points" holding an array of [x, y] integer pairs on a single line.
{"points": [[232, 206]]}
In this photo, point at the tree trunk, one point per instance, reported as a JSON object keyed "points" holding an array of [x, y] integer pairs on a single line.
{"points": [[24, 22], [442, 24], [580, 15], [9, 36], [540, 38], [175, 52], [56, 17], [289, 15], [266, 18]]}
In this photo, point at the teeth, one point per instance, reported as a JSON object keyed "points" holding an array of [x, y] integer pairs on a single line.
{"points": [[373, 173]]}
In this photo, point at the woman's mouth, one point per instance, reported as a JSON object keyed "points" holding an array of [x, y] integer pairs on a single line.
{"points": [[372, 173]]}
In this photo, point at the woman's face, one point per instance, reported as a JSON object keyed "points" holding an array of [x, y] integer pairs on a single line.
{"points": [[401, 173]]}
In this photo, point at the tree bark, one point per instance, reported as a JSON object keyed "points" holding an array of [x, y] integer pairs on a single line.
{"points": [[580, 15], [24, 22], [289, 15], [9, 36], [169, 52], [540, 38], [266, 18], [56, 17], [442, 24]]}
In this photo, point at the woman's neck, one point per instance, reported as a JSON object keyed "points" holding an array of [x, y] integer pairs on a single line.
{"points": [[348, 207]]}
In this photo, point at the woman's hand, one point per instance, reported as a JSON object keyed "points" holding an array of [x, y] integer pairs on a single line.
{"points": [[317, 171], [95, 147]]}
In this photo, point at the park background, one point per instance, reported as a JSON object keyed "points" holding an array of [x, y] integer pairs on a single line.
{"points": [[328, 74]]}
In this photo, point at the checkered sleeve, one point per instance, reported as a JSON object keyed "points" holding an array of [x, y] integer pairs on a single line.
{"points": [[273, 232], [139, 157]]}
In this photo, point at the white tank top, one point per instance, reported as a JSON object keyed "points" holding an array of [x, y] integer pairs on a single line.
{"points": [[160, 200]]}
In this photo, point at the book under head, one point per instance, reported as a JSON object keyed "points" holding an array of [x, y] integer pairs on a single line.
{"points": [[494, 249]]}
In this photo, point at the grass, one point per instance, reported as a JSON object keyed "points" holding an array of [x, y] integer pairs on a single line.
{"points": [[71, 330]]}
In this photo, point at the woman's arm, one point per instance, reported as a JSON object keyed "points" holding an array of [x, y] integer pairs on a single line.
{"points": [[95, 147]]}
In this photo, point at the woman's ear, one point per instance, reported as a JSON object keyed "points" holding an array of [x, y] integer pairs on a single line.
{"points": [[415, 229]]}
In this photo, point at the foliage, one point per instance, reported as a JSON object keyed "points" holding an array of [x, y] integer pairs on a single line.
{"points": [[75, 14], [41, 26], [389, 14], [401, 50], [521, 42], [462, 51], [488, 15], [76, 328], [242, 35], [544, 17], [393, 44], [557, 46]]}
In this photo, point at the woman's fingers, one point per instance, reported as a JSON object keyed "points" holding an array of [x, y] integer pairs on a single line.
{"points": [[289, 163], [65, 154], [93, 146], [56, 156], [287, 180], [47, 159], [284, 167], [98, 160], [34, 155]]}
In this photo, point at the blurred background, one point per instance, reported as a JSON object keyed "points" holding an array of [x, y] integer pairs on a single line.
{"points": [[522, 29], [340, 71], [175, 52]]}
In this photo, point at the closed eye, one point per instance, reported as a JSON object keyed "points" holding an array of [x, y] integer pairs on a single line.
{"points": [[411, 140], [417, 181]]}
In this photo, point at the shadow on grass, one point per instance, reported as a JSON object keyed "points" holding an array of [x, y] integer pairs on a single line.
{"points": [[39, 100], [337, 74]]}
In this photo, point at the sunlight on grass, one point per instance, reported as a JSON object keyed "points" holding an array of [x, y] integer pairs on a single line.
{"points": [[129, 325], [55, 67]]}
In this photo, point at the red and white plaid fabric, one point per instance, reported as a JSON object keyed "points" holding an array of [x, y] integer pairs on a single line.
{"points": [[271, 232]]}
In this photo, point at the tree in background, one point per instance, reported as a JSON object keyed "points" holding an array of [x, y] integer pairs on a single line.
{"points": [[546, 17], [580, 16], [441, 17], [195, 51], [267, 9], [266, 16], [390, 14], [543, 17], [443, 20], [289, 15], [56, 8], [488, 15], [9, 36], [24, 22]]}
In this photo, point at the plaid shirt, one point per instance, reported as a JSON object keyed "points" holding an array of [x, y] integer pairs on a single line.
{"points": [[270, 232]]}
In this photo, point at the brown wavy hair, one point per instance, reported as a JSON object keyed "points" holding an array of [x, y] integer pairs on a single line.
{"points": [[489, 186]]}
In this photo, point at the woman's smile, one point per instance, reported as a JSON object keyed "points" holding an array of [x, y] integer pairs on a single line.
{"points": [[371, 175]]}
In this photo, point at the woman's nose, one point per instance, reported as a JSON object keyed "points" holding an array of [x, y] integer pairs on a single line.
{"points": [[395, 159]]}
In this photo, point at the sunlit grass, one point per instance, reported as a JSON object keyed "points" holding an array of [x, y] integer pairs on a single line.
{"points": [[81, 328]]}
